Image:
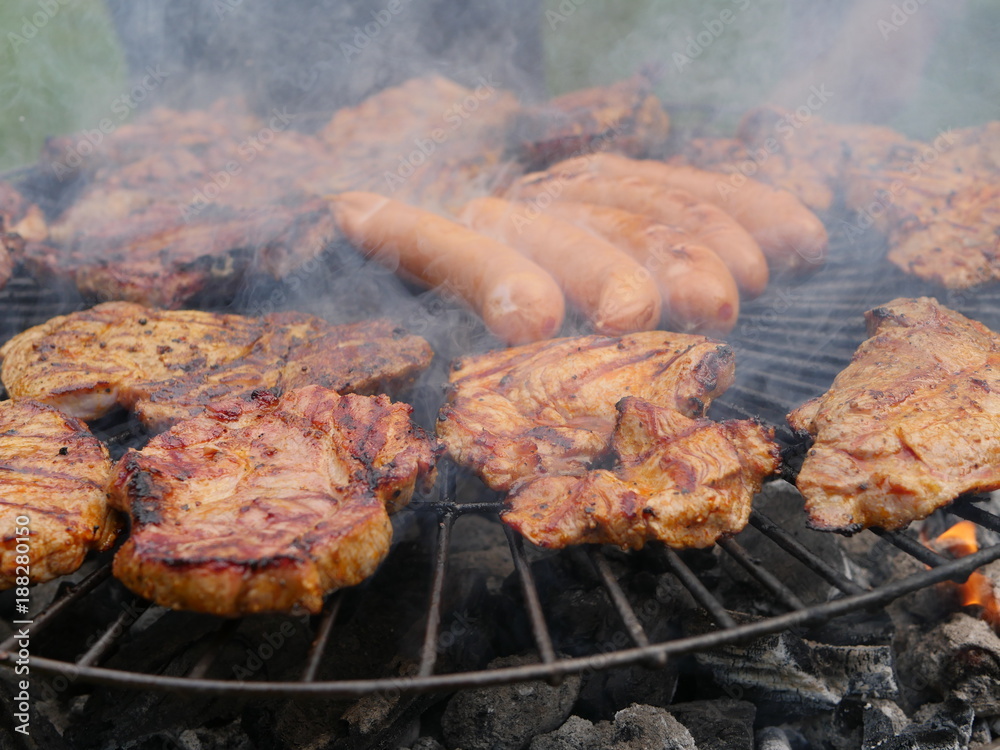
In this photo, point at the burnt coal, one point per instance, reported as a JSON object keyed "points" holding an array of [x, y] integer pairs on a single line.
{"points": [[508, 716], [702, 725], [576, 734], [643, 727], [946, 726], [722, 724], [786, 675], [959, 658]]}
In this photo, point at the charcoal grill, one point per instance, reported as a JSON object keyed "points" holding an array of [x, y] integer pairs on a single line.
{"points": [[790, 344]]}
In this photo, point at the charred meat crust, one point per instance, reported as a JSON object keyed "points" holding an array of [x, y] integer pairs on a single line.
{"points": [[54, 472], [685, 482], [167, 365], [549, 407], [268, 503]]}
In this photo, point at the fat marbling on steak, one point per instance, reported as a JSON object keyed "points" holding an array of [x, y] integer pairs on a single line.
{"points": [[910, 424], [549, 407], [268, 503], [166, 365], [683, 481], [53, 472]]}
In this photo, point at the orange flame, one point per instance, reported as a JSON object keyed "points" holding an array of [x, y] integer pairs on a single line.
{"points": [[960, 541]]}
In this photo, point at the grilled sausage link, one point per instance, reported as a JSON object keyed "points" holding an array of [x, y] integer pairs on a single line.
{"points": [[698, 291], [518, 300], [791, 236], [706, 223], [615, 293]]}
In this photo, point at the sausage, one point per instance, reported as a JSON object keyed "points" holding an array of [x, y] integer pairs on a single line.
{"points": [[699, 292], [615, 293], [518, 301], [707, 224], [792, 237]]}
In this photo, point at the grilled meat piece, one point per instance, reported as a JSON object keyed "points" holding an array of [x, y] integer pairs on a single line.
{"points": [[682, 481], [626, 115], [162, 254], [936, 203], [166, 365], [429, 142], [11, 245], [909, 425], [54, 473], [549, 407], [20, 216], [268, 503]]}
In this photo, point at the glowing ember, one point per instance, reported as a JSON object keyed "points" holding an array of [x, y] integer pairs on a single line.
{"points": [[960, 541]]}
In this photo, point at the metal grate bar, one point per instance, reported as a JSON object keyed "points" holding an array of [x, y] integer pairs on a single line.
{"points": [[428, 653], [51, 613], [211, 649], [912, 547], [121, 624], [621, 602], [795, 548], [318, 648], [560, 668], [539, 629], [701, 594], [780, 592], [974, 513]]}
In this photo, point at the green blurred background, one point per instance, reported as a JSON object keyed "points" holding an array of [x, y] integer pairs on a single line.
{"points": [[62, 75]]}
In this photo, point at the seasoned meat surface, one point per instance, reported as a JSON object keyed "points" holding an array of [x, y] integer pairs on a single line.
{"points": [[910, 424], [140, 248], [166, 365], [549, 407], [682, 481], [268, 503], [54, 472], [936, 202]]}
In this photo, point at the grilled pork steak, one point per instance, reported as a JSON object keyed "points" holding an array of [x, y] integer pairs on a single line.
{"points": [[166, 365], [683, 481], [54, 473], [910, 424], [166, 253], [267, 503], [549, 407]]}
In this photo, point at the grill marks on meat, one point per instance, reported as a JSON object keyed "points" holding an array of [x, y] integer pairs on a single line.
{"points": [[910, 424], [683, 481], [156, 224], [549, 407], [53, 471], [158, 254], [167, 365], [268, 503]]}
